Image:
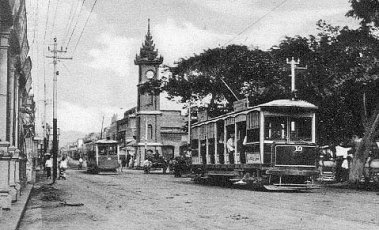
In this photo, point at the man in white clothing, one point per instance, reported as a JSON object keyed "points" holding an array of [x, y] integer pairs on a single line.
{"points": [[230, 146], [48, 166]]}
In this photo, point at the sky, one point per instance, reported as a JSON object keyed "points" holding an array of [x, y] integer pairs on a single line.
{"points": [[103, 39]]}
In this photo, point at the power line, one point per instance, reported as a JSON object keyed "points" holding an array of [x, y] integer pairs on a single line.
{"points": [[71, 15], [64, 65], [35, 21], [77, 43], [76, 24], [55, 15], [256, 21], [47, 20]]}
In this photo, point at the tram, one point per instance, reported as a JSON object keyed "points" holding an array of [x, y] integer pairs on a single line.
{"points": [[102, 156], [271, 146]]}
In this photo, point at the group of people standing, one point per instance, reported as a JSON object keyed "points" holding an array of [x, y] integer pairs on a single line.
{"points": [[62, 166], [127, 161]]}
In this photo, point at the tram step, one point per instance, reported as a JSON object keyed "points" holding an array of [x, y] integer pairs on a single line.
{"points": [[291, 187]]}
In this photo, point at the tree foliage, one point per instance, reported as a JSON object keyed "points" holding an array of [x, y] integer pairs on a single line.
{"points": [[366, 10], [226, 74], [341, 68]]}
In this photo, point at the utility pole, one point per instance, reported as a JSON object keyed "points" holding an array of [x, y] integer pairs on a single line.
{"points": [[55, 58], [45, 139], [101, 131], [294, 67]]}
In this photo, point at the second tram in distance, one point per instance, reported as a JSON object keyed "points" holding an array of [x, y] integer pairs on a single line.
{"points": [[102, 156], [271, 145]]}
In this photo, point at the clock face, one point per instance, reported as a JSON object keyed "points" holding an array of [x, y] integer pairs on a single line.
{"points": [[150, 74]]}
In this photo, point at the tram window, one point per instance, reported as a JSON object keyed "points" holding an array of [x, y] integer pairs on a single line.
{"points": [[102, 150], [252, 126], [112, 150], [275, 128], [194, 147], [301, 129], [252, 135]]}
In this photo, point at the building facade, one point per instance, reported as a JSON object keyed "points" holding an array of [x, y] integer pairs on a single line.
{"points": [[17, 145]]}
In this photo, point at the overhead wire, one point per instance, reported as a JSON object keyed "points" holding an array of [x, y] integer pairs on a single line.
{"points": [[81, 33], [55, 15], [243, 31], [76, 24], [35, 26], [68, 24], [47, 20], [256, 21], [68, 70]]}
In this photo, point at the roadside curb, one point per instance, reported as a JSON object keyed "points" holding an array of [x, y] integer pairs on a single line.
{"points": [[11, 219], [25, 204]]}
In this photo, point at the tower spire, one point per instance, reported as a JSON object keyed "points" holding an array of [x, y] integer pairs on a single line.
{"points": [[147, 51], [148, 26]]}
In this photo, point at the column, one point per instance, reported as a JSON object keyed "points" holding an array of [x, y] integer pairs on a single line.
{"points": [[11, 99], [226, 154], [13, 174], [4, 37], [16, 127], [5, 198], [217, 160]]}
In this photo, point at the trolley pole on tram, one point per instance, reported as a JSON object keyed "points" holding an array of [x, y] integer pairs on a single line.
{"points": [[55, 58]]}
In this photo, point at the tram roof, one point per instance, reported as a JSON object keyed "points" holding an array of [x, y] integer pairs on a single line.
{"points": [[106, 142], [286, 103], [275, 104]]}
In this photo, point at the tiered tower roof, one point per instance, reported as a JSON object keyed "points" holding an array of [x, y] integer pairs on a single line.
{"points": [[148, 54]]}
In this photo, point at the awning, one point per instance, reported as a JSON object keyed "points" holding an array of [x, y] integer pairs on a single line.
{"points": [[130, 142]]}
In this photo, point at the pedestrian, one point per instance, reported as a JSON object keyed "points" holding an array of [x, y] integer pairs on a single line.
{"points": [[80, 163], [339, 170], [127, 159], [147, 165], [123, 163], [48, 166], [177, 164], [231, 148], [62, 168]]}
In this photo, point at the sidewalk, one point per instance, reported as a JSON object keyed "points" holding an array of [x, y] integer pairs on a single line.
{"points": [[11, 218]]}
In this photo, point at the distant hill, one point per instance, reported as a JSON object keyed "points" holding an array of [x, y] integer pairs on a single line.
{"points": [[69, 136]]}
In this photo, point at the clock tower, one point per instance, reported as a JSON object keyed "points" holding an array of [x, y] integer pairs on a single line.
{"points": [[148, 103]]}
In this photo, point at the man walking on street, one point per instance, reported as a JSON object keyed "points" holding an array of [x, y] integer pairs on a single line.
{"points": [[62, 168], [48, 166]]}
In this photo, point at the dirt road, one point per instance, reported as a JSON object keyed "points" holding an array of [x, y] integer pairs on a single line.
{"points": [[133, 200]]}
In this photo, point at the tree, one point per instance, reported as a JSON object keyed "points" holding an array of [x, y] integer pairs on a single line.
{"points": [[368, 12], [225, 75]]}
